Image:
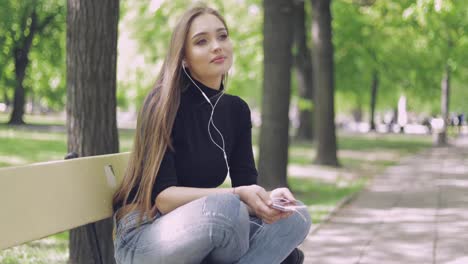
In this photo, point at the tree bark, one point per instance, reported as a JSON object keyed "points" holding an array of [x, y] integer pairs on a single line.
{"points": [[21, 53], [322, 54], [373, 103], [303, 64], [91, 107], [441, 139], [274, 138]]}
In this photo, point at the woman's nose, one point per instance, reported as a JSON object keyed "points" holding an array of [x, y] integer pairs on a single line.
{"points": [[216, 46]]}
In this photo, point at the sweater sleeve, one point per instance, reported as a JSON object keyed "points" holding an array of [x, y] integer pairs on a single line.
{"points": [[167, 173], [166, 176], [242, 162]]}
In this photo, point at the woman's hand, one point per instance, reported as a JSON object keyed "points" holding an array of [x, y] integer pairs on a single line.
{"points": [[282, 193], [259, 202]]}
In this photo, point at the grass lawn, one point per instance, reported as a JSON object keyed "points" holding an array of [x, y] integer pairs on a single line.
{"points": [[361, 157]]}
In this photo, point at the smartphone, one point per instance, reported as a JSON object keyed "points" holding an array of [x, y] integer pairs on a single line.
{"points": [[284, 205]]}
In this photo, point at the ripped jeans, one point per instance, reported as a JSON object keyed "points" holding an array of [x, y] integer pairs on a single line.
{"points": [[215, 228]]}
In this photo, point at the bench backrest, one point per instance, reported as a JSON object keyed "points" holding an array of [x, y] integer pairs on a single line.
{"points": [[42, 199]]}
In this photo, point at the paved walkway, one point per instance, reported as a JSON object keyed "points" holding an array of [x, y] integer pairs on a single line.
{"points": [[415, 212]]}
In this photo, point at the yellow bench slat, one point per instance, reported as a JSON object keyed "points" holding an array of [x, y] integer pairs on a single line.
{"points": [[42, 199]]}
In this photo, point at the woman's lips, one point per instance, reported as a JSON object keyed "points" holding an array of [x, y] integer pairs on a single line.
{"points": [[218, 60]]}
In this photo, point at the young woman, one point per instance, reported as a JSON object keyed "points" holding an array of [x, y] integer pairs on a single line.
{"points": [[190, 136]]}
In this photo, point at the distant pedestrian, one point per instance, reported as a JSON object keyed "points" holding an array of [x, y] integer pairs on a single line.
{"points": [[461, 120]]}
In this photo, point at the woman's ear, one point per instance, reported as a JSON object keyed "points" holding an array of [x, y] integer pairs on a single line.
{"points": [[184, 64]]}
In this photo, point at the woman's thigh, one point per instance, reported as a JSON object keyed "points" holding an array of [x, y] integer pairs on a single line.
{"points": [[190, 232]]}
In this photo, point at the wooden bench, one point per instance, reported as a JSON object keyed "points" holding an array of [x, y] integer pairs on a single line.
{"points": [[43, 199]]}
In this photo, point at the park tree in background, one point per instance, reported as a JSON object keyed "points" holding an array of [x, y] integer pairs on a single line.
{"points": [[441, 27], [302, 62], [322, 52], [388, 49], [274, 138], [368, 55], [91, 107], [25, 26]]}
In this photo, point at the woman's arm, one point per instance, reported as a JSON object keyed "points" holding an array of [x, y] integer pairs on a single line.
{"points": [[175, 196], [255, 197], [241, 160]]}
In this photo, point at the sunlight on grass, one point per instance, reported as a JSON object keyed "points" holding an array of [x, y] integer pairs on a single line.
{"points": [[400, 142], [45, 251], [322, 197], [49, 119]]}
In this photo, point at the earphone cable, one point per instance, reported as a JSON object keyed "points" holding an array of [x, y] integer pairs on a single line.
{"points": [[210, 121]]}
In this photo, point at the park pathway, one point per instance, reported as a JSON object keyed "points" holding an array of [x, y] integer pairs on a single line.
{"points": [[415, 212]]}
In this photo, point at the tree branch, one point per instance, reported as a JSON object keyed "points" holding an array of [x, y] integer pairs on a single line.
{"points": [[40, 27]]}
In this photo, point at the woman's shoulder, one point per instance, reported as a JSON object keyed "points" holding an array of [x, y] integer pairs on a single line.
{"points": [[239, 108], [237, 102]]}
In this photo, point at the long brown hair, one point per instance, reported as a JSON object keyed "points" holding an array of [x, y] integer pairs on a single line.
{"points": [[155, 122]]}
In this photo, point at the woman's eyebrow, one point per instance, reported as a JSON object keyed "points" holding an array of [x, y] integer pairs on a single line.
{"points": [[204, 33]]}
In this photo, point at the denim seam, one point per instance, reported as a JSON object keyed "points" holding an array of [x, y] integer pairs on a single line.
{"points": [[260, 229], [237, 235]]}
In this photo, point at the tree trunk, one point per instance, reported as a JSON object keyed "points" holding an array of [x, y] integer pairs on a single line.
{"points": [[6, 99], [303, 64], [441, 139], [16, 117], [357, 113], [322, 54], [21, 53], [274, 138], [91, 107], [373, 103]]}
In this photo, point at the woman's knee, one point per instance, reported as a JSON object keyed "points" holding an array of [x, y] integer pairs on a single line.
{"points": [[299, 223], [227, 209], [227, 215], [226, 206]]}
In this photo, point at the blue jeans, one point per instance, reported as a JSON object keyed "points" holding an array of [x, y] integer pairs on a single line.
{"points": [[216, 228]]}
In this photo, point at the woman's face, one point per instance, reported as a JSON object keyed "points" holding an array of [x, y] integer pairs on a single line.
{"points": [[208, 49]]}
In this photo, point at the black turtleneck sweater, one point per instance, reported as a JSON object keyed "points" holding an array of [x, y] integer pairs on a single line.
{"points": [[196, 161]]}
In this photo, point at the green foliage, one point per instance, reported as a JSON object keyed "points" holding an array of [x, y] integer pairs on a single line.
{"points": [[460, 90], [305, 104], [441, 28], [45, 75], [406, 43]]}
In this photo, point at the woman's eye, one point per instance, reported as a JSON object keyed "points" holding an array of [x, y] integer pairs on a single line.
{"points": [[201, 42], [223, 36]]}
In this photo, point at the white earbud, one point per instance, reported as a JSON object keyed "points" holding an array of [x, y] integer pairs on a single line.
{"points": [[211, 118]]}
